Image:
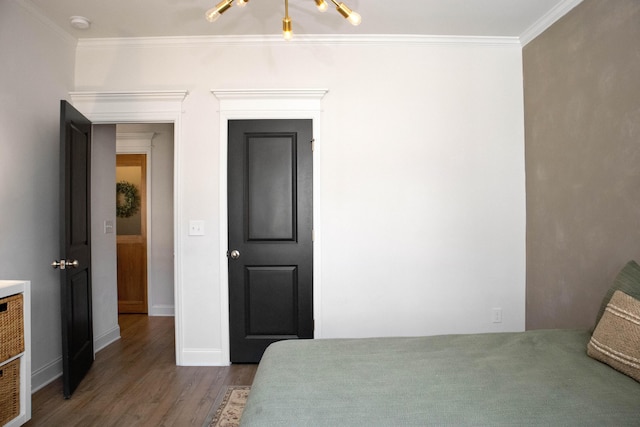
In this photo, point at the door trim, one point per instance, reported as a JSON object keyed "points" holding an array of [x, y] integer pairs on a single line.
{"points": [[245, 104], [148, 107]]}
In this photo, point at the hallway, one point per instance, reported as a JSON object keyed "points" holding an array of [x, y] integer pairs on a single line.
{"points": [[135, 382]]}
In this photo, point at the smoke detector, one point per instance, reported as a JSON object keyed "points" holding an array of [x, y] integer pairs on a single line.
{"points": [[79, 22]]}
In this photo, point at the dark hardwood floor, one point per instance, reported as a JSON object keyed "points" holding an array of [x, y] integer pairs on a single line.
{"points": [[135, 382]]}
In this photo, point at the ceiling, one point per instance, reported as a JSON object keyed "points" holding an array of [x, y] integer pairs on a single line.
{"points": [[156, 18]]}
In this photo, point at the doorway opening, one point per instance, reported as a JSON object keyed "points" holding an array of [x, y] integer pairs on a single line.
{"points": [[144, 224], [133, 107]]}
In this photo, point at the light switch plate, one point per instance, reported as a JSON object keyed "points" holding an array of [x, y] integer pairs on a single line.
{"points": [[196, 228]]}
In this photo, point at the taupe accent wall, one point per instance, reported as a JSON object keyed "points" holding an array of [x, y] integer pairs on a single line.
{"points": [[582, 138]]}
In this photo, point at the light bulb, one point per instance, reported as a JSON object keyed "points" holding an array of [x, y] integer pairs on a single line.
{"points": [[322, 5], [242, 3], [212, 15], [354, 18], [287, 32], [349, 14]]}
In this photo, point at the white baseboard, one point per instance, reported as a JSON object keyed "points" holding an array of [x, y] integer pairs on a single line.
{"points": [[52, 371], [162, 310], [46, 375], [105, 339], [202, 357]]}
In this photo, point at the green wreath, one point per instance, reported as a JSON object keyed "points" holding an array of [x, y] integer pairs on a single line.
{"points": [[131, 202]]}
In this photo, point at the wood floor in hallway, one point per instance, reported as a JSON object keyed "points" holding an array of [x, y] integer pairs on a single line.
{"points": [[135, 382]]}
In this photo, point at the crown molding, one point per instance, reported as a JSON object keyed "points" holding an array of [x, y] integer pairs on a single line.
{"points": [[133, 96], [300, 39], [105, 107], [268, 100], [269, 93], [547, 20]]}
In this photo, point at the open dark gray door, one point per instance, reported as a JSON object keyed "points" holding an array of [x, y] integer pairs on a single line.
{"points": [[75, 246], [270, 234]]}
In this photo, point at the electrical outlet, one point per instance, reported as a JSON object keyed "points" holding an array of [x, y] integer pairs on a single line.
{"points": [[496, 315]]}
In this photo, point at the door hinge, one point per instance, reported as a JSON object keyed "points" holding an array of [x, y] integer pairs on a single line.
{"points": [[313, 235], [313, 144]]}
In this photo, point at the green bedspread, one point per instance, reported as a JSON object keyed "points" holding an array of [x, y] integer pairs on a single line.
{"points": [[529, 378]]}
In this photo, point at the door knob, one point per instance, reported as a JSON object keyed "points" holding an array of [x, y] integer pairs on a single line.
{"points": [[64, 263], [235, 254]]}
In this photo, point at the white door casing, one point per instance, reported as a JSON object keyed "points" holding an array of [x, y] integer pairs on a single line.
{"points": [[147, 107], [268, 104]]}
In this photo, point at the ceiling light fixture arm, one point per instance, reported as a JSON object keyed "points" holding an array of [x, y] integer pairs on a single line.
{"points": [[287, 28]]}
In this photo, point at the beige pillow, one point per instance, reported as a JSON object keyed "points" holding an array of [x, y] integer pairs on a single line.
{"points": [[627, 281], [616, 339]]}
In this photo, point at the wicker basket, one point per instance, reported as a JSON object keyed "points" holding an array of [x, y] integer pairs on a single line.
{"points": [[11, 327], [9, 391]]}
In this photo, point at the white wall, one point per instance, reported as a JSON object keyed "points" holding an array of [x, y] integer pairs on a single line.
{"points": [[37, 71], [422, 175], [104, 273]]}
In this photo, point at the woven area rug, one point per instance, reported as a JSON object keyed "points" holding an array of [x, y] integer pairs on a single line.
{"points": [[227, 409]]}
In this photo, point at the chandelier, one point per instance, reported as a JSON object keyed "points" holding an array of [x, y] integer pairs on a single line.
{"points": [[353, 17]]}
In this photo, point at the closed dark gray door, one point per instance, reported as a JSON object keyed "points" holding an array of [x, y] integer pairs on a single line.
{"points": [[270, 234], [75, 246]]}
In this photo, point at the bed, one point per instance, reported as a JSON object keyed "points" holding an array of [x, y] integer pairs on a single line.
{"points": [[541, 377]]}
